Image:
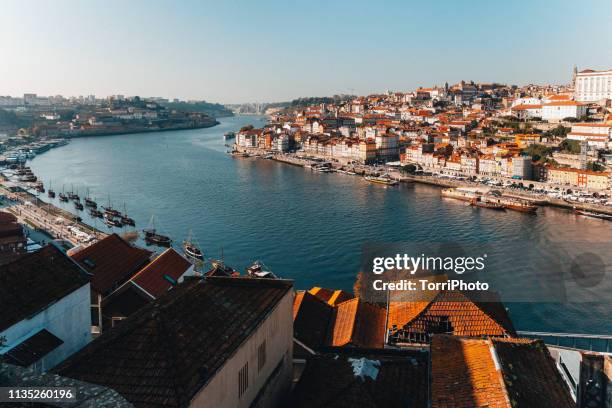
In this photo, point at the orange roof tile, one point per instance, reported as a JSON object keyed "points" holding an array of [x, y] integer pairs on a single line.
{"points": [[463, 374], [330, 296], [152, 278], [357, 323]]}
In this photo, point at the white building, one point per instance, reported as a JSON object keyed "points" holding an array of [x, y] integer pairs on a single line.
{"points": [[591, 86], [45, 303], [598, 135], [559, 110]]}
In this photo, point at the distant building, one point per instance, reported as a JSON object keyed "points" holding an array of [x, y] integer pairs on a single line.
{"points": [[571, 177], [597, 135], [558, 110], [592, 86], [522, 167], [44, 309]]}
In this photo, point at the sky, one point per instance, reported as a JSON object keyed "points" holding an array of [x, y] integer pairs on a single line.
{"points": [[265, 51]]}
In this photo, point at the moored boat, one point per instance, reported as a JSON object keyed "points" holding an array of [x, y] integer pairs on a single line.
{"points": [[151, 236], [78, 205], [192, 251], [593, 214], [258, 270], [229, 135], [477, 202], [521, 206], [96, 213], [384, 179], [112, 222]]}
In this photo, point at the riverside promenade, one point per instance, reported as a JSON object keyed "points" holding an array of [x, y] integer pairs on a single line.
{"points": [[364, 170], [58, 223]]}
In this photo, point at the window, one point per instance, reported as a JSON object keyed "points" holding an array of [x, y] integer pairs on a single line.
{"points": [[243, 379], [261, 356]]}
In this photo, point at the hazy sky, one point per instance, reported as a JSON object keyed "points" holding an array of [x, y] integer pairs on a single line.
{"points": [[241, 51]]}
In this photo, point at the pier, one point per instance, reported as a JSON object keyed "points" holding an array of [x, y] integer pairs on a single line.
{"points": [[58, 223]]}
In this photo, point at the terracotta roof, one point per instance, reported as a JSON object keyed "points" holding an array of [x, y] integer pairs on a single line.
{"points": [[463, 374], [152, 278], [564, 103], [353, 322], [335, 380], [33, 281], [331, 296], [357, 323], [495, 373], [112, 261], [459, 313], [530, 374], [167, 351], [526, 107], [311, 320]]}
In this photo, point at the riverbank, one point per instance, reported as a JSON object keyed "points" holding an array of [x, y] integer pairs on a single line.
{"points": [[362, 170], [127, 131]]}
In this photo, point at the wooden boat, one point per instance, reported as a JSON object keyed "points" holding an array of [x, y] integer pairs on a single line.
{"points": [[151, 236], [127, 220], [521, 206], [112, 222], [476, 202], [95, 213], [258, 270]]}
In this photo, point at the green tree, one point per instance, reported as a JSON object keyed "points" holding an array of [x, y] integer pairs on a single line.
{"points": [[594, 166], [408, 169], [538, 152], [560, 131], [570, 146]]}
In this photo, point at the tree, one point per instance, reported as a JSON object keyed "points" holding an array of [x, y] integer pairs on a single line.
{"points": [[594, 166], [560, 131], [408, 169], [445, 151], [538, 152], [570, 146]]}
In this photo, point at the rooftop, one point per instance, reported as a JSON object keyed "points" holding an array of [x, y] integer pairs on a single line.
{"points": [[112, 261], [156, 278], [168, 350], [364, 378], [33, 281], [469, 372]]}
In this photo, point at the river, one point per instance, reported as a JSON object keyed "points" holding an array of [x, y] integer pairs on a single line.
{"points": [[312, 227]]}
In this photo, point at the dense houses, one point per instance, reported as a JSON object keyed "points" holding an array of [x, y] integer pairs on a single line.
{"points": [[462, 130]]}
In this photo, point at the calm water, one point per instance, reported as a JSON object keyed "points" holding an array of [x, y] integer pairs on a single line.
{"points": [[311, 227]]}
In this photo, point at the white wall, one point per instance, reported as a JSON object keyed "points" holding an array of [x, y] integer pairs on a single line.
{"points": [[277, 330], [69, 319]]}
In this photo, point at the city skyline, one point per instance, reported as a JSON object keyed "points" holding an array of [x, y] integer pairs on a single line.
{"points": [[239, 52]]}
